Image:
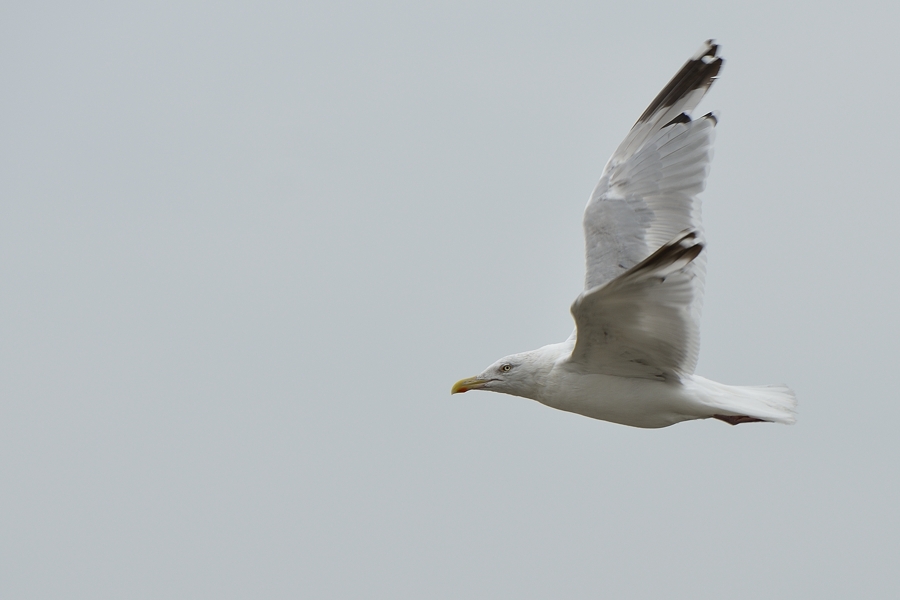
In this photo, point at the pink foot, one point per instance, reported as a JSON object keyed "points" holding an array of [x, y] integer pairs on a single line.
{"points": [[738, 419]]}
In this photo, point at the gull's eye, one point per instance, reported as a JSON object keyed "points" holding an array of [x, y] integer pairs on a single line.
{"points": [[505, 368]]}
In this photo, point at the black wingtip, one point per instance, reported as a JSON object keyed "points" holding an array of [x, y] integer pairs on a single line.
{"points": [[687, 247], [698, 72], [682, 118]]}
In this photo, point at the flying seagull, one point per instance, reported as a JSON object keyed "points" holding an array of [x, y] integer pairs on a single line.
{"points": [[632, 355]]}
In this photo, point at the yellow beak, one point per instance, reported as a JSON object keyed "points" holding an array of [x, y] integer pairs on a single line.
{"points": [[464, 385]]}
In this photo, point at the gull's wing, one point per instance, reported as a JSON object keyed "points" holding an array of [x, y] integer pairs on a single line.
{"points": [[640, 324], [648, 191]]}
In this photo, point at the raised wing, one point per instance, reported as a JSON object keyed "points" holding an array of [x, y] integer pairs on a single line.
{"points": [[648, 191], [641, 323]]}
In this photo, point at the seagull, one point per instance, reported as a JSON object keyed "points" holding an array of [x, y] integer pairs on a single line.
{"points": [[632, 356]]}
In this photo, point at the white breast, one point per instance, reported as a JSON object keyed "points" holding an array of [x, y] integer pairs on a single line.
{"points": [[626, 400]]}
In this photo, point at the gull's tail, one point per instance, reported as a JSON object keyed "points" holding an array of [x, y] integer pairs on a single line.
{"points": [[736, 404]]}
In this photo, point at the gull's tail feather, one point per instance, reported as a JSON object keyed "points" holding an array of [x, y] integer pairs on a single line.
{"points": [[737, 404]]}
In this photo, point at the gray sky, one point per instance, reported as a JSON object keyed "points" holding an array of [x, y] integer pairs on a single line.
{"points": [[248, 247]]}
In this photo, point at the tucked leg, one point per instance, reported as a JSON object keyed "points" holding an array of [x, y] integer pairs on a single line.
{"points": [[738, 419]]}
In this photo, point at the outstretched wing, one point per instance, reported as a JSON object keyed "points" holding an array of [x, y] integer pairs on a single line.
{"points": [[641, 323], [648, 191]]}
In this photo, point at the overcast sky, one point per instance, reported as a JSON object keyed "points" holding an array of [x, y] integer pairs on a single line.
{"points": [[248, 247]]}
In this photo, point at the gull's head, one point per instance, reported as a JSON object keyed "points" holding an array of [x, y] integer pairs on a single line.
{"points": [[516, 374]]}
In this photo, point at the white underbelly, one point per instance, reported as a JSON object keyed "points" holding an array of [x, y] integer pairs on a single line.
{"points": [[626, 400]]}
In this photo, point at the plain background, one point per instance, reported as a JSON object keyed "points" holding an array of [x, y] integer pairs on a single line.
{"points": [[248, 247]]}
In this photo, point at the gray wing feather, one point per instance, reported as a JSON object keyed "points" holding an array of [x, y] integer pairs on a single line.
{"points": [[647, 193], [641, 323], [681, 95]]}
